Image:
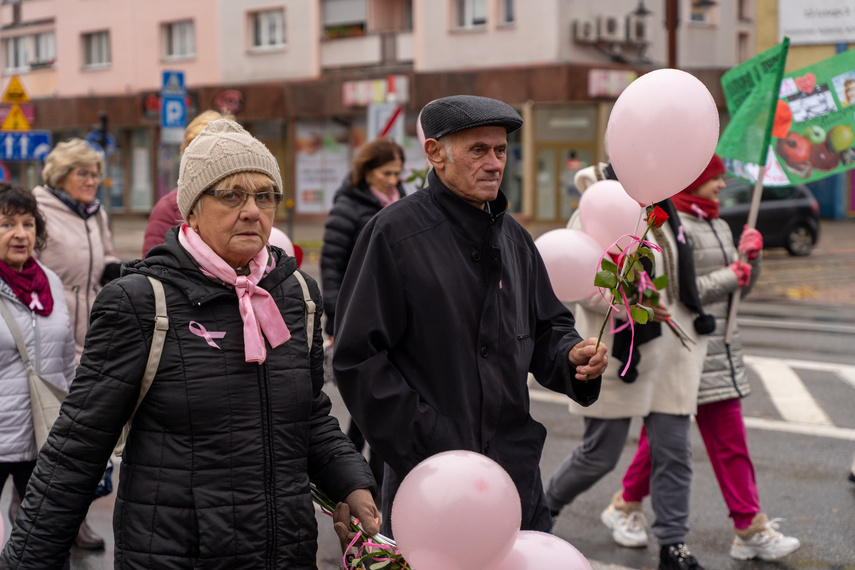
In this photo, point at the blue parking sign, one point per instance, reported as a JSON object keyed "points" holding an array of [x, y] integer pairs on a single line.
{"points": [[173, 108]]}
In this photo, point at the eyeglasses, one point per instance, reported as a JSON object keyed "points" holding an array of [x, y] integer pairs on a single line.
{"points": [[235, 198], [85, 174]]}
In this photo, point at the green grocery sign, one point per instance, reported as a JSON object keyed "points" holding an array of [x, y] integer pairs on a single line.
{"points": [[813, 134]]}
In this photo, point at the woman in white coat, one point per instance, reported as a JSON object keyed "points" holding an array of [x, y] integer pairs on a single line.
{"points": [[33, 298]]}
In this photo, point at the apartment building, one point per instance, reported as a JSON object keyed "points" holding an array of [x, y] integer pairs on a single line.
{"points": [[301, 74]]}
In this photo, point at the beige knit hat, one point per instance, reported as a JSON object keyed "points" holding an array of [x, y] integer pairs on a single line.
{"points": [[221, 149]]}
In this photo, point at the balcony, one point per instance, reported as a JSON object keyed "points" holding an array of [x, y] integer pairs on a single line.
{"points": [[377, 50]]}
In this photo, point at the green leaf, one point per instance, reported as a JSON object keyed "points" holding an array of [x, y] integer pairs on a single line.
{"points": [[606, 279], [630, 275], [661, 282], [608, 265], [641, 314]]}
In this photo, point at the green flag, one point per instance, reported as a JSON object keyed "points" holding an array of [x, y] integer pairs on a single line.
{"points": [[751, 92]]}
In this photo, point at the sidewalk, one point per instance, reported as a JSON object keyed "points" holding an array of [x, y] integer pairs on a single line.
{"points": [[826, 277]]}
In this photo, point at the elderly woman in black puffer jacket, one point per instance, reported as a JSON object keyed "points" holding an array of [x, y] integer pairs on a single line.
{"points": [[217, 467], [374, 183]]}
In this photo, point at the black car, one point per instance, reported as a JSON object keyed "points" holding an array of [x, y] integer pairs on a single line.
{"points": [[788, 217]]}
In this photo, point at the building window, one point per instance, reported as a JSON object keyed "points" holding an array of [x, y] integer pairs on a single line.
{"points": [[268, 29], [96, 49], [344, 18], [507, 15], [179, 40], [44, 49], [745, 11], [744, 51], [17, 53], [471, 14]]}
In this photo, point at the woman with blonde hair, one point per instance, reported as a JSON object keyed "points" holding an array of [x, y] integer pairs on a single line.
{"points": [[79, 247]]}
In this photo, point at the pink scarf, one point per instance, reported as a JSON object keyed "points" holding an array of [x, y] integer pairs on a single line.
{"points": [[257, 308], [385, 199]]}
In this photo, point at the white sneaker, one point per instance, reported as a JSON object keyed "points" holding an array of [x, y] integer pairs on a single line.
{"points": [[627, 529], [767, 544]]}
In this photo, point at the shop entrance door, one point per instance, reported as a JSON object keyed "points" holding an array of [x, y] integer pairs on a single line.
{"points": [[557, 164]]}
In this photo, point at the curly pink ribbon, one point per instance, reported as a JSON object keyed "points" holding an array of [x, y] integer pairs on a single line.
{"points": [[644, 283], [203, 332]]}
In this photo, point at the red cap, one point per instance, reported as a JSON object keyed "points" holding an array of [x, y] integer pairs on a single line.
{"points": [[713, 169]]}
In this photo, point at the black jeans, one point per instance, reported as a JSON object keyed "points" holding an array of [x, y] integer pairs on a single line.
{"points": [[20, 472]]}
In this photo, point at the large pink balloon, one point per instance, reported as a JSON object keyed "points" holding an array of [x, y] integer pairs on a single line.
{"points": [[606, 212], [661, 134], [281, 239], [572, 260], [537, 551], [456, 510]]}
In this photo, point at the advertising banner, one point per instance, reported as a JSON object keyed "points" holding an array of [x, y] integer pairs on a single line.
{"points": [[816, 21], [323, 160], [813, 134]]}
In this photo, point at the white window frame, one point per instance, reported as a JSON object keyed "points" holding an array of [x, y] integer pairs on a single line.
{"points": [[267, 25], [178, 40], [508, 12], [96, 50], [16, 54], [44, 49], [466, 17]]}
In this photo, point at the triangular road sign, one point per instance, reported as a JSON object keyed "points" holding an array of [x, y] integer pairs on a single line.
{"points": [[15, 92], [15, 120]]}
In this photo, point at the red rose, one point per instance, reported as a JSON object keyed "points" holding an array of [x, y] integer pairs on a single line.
{"points": [[657, 217]]}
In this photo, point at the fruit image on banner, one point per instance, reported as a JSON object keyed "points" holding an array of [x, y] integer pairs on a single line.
{"points": [[813, 134]]}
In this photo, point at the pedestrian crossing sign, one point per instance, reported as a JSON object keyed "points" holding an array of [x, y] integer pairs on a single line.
{"points": [[15, 120], [15, 92]]}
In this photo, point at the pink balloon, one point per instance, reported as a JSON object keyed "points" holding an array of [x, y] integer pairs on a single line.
{"points": [[456, 510], [420, 132], [280, 239], [538, 550], [606, 212], [572, 259], [661, 134]]}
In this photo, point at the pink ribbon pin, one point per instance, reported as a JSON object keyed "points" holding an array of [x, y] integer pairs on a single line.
{"points": [[35, 304], [208, 336], [681, 235]]}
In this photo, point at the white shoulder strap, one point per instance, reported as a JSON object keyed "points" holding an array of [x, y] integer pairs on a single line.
{"points": [[310, 307], [161, 325]]}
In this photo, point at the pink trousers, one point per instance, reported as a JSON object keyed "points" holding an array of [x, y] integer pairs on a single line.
{"points": [[723, 431]]}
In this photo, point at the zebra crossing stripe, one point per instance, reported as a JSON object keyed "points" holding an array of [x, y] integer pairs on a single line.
{"points": [[788, 392]]}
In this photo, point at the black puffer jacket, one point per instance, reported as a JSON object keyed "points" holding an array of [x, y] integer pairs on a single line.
{"points": [[352, 207], [217, 465]]}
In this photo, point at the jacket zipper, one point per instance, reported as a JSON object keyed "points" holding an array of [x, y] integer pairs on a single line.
{"points": [[36, 352], [269, 471], [89, 274], [729, 301]]}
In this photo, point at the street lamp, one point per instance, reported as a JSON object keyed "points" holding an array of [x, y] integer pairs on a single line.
{"points": [[642, 10]]}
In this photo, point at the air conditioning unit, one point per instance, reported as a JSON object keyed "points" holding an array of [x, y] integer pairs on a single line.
{"points": [[611, 29], [584, 31], [637, 31]]}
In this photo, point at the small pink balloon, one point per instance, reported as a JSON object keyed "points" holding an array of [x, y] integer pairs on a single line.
{"points": [[420, 131], [606, 213], [572, 259], [281, 239], [534, 550], [456, 510], [661, 134]]}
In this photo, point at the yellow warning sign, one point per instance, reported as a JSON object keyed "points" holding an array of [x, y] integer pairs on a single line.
{"points": [[15, 92], [15, 120]]}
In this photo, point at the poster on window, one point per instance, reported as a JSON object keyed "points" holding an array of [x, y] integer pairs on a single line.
{"points": [[813, 134], [323, 160], [816, 21]]}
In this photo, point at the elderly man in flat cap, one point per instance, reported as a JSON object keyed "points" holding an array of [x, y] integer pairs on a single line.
{"points": [[446, 307]]}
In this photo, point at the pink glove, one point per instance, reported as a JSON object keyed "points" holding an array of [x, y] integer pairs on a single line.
{"points": [[743, 273], [750, 243]]}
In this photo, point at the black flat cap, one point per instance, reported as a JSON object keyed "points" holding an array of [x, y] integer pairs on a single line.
{"points": [[460, 112]]}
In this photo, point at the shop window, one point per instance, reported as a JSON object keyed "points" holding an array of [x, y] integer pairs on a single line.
{"points": [[268, 29], [96, 49], [471, 14], [17, 54], [179, 40], [44, 49], [344, 18]]}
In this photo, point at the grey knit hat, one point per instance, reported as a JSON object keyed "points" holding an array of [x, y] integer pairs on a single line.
{"points": [[221, 149], [460, 112]]}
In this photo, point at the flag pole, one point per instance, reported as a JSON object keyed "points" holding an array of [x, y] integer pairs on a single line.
{"points": [[756, 196]]}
